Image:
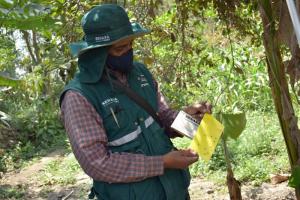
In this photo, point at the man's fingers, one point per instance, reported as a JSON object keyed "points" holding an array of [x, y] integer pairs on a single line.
{"points": [[189, 156], [189, 152], [192, 159], [208, 107], [191, 110], [179, 159], [203, 107]]}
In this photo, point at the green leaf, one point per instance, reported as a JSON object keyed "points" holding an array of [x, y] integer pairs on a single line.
{"points": [[30, 16], [5, 81], [294, 180], [61, 1], [234, 124], [6, 4], [30, 23]]}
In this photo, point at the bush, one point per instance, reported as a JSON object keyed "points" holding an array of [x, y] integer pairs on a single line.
{"points": [[39, 130]]}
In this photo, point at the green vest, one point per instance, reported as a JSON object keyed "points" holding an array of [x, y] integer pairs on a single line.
{"points": [[131, 129]]}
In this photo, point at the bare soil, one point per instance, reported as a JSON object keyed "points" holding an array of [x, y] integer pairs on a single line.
{"points": [[200, 189], [205, 190]]}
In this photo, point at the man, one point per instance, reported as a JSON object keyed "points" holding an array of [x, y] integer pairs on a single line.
{"points": [[117, 142]]}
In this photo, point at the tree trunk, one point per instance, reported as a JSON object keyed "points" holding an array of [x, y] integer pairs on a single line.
{"points": [[279, 86], [234, 186], [36, 47]]}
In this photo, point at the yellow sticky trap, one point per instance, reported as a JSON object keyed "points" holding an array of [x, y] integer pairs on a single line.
{"points": [[207, 137]]}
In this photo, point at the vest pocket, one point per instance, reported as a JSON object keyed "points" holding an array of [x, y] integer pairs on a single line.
{"points": [[186, 177], [114, 118], [161, 143], [149, 189], [120, 191], [175, 182]]}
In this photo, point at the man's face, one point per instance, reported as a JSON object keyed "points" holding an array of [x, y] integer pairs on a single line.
{"points": [[121, 47]]}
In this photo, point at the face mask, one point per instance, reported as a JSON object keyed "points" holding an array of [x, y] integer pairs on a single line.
{"points": [[121, 63]]}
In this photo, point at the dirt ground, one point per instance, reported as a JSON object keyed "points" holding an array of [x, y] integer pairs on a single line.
{"points": [[205, 190], [200, 189]]}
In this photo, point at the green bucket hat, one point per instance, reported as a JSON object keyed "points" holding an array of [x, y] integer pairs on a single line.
{"points": [[104, 25]]}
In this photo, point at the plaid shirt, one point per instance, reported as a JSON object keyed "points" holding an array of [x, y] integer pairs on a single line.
{"points": [[88, 139]]}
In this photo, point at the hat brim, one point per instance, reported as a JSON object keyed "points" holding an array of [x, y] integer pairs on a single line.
{"points": [[81, 47]]}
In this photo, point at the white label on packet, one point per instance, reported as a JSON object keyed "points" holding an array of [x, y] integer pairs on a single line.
{"points": [[185, 124]]}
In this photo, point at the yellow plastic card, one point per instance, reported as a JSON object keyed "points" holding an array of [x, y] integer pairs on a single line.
{"points": [[207, 137]]}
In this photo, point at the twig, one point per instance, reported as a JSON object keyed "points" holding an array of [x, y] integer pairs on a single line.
{"points": [[66, 197]]}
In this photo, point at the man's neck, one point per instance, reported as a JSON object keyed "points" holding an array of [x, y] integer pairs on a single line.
{"points": [[122, 77]]}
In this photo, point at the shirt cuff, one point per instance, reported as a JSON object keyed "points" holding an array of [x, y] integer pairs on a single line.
{"points": [[155, 165]]}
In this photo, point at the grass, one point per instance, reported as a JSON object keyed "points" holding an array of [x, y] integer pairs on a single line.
{"points": [[7, 192], [26, 154], [257, 153], [62, 171]]}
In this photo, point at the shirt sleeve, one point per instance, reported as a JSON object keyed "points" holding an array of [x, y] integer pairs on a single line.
{"points": [[166, 114], [88, 140]]}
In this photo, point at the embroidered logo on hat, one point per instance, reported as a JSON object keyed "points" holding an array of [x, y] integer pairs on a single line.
{"points": [[104, 38]]}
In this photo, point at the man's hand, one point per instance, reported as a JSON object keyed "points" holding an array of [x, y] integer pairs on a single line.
{"points": [[180, 159], [198, 110]]}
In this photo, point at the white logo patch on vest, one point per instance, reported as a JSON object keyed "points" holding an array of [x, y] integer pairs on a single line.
{"points": [[143, 80], [109, 101]]}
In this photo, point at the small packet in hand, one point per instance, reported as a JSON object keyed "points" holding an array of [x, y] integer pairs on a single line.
{"points": [[185, 124]]}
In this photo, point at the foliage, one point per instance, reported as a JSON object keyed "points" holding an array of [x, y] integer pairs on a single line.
{"points": [[12, 193], [204, 59], [39, 131], [24, 15], [9, 54], [198, 50], [234, 124], [14, 158], [24, 153], [5, 81], [42, 127], [4, 117]]}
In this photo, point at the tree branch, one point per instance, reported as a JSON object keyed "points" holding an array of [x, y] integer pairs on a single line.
{"points": [[36, 47], [27, 41]]}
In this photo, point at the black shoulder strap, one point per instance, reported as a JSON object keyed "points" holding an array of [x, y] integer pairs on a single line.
{"points": [[138, 100]]}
